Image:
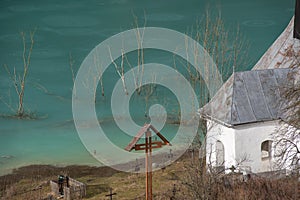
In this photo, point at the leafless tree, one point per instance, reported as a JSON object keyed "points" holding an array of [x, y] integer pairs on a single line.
{"points": [[120, 69], [287, 136], [19, 79]]}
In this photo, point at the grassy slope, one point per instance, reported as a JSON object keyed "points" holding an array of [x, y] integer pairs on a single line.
{"points": [[32, 182], [25, 182]]}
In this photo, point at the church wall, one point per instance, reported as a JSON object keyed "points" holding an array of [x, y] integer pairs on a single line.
{"points": [[218, 132], [248, 143]]}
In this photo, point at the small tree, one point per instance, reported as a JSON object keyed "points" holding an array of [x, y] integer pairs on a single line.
{"points": [[228, 51], [19, 79], [287, 136]]}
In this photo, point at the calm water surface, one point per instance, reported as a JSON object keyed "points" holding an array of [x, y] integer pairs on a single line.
{"points": [[76, 27]]}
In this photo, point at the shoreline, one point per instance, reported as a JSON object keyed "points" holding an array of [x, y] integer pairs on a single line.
{"points": [[33, 181], [33, 170], [159, 160]]}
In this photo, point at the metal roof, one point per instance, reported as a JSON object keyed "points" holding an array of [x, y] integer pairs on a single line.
{"points": [[250, 96], [254, 96]]}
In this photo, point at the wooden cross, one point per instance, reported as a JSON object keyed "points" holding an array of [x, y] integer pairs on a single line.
{"points": [[174, 192], [147, 146], [110, 194]]}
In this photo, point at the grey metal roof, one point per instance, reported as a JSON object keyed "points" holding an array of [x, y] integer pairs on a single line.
{"points": [[254, 96], [250, 96]]}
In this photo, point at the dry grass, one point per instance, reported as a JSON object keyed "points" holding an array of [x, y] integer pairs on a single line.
{"points": [[32, 182]]}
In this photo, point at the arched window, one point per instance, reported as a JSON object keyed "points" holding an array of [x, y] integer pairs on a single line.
{"points": [[266, 149], [220, 154]]}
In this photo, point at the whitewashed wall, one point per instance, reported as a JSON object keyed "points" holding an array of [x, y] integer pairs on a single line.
{"points": [[240, 142], [248, 140], [226, 136]]}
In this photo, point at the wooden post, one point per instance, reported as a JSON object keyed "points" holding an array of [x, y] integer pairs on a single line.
{"points": [[146, 167], [148, 151], [147, 146]]}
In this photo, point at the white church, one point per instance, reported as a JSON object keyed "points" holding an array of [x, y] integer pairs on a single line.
{"points": [[244, 115]]}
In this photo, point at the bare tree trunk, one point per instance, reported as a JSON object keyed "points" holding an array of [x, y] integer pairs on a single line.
{"points": [[19, 80]]}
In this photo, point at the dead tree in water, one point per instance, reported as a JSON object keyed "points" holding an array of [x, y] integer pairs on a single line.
{"points": [[19, 79]]}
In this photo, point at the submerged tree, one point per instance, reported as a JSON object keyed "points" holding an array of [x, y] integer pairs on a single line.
{"points": [[228, 50], [19, 79]]}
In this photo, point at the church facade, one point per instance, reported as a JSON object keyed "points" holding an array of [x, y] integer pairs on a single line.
{"points": [[244, 116]]}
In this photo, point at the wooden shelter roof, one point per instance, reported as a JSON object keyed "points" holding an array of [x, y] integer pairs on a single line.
{"points": [[141, 132]]}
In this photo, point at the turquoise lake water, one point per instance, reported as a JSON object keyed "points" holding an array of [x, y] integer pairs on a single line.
{"points": [[76, 27]]}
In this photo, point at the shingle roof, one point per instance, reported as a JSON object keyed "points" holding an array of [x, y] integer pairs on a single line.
{"points": [[250, 96]]}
